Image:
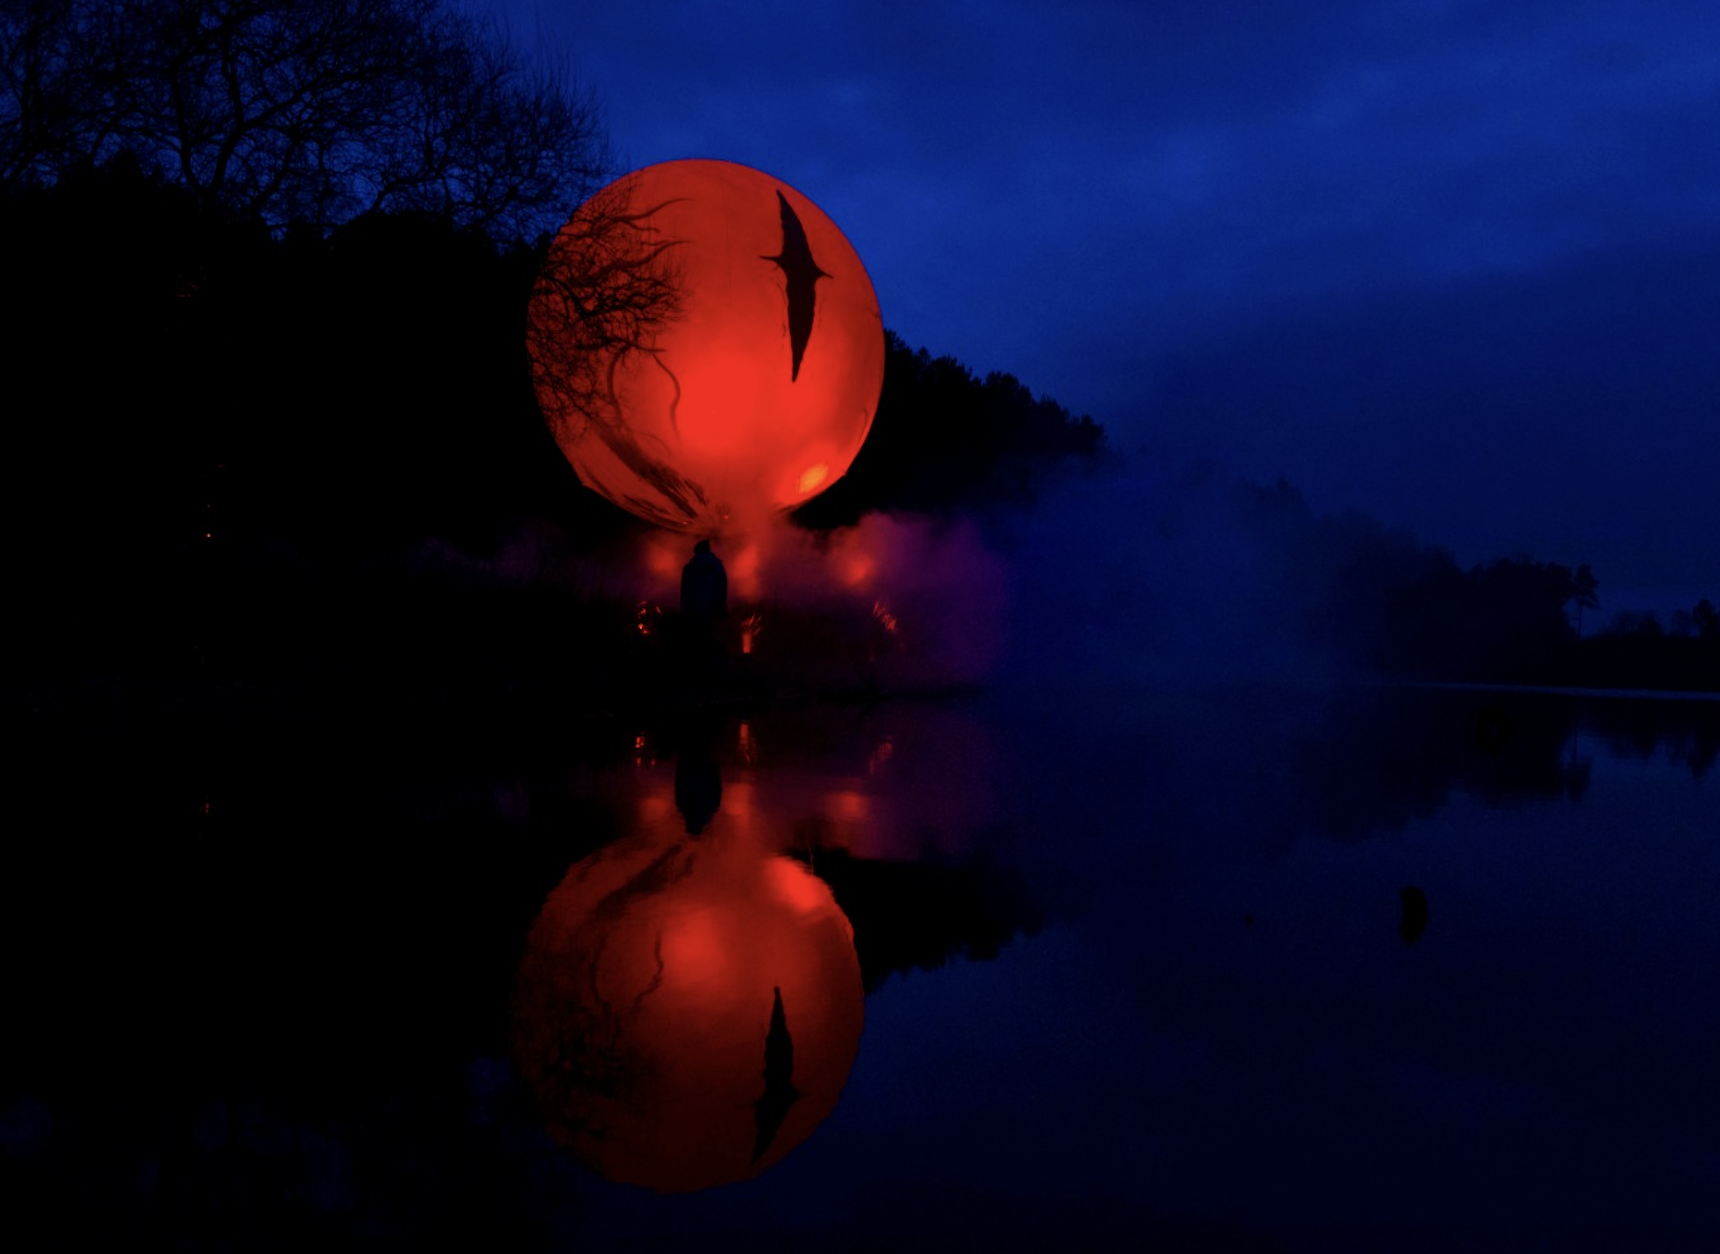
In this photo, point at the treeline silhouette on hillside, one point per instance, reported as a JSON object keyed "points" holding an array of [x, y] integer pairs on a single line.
{"points": [[305, 113], [245, 445], [945, 439], [251, 442], [1361, 593]]}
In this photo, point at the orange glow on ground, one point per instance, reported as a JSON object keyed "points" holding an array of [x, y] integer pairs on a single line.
{"points": [[927, 602], [751, 625]]}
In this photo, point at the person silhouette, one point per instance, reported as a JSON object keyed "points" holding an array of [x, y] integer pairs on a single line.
{"points": [[704, 601], [704, 586]]}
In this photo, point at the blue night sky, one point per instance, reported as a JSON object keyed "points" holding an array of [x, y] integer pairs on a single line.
{"points": [[1450, 262]]}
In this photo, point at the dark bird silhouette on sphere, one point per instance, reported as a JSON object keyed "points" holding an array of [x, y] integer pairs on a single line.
{"points": [[779, 1092], [802, 272]]}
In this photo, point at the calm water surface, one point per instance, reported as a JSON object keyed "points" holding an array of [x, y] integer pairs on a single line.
{"points": [[1241, 969]]}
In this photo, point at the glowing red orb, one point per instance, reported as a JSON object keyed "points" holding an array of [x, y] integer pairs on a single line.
{"points": [[705, 344], [687, 1013]]}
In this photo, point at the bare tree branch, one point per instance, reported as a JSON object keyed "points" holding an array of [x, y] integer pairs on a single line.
{"points": [[608, 287], [300, 111]]}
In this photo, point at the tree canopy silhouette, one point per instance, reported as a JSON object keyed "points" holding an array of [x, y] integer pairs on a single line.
{"points": [[299, 111], [944, 440]]}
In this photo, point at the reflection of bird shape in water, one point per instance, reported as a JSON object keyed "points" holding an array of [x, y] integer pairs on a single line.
{"points": [[802, 272], [779, 1091]]}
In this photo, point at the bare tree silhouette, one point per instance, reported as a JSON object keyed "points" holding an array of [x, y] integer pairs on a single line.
{"points": [[53, 94], [300, 111], [1705, 619], [609, 284]]}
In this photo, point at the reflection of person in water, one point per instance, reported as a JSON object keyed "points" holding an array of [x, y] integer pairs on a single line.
{"points": [[704, 601], [698, 782]]}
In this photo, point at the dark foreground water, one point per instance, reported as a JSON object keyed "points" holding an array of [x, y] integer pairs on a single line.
{"points": [[1237, 970]]}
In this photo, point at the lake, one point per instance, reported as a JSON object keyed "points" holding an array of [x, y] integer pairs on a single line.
{"points": [[1244, 968]]}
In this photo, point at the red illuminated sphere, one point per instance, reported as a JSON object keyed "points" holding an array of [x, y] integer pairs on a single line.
{"points": [[687, 1014], [705, 344]]}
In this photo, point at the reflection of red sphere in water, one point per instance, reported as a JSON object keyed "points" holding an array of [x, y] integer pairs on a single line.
{"points": [[687, 1013], [705, 344]]}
